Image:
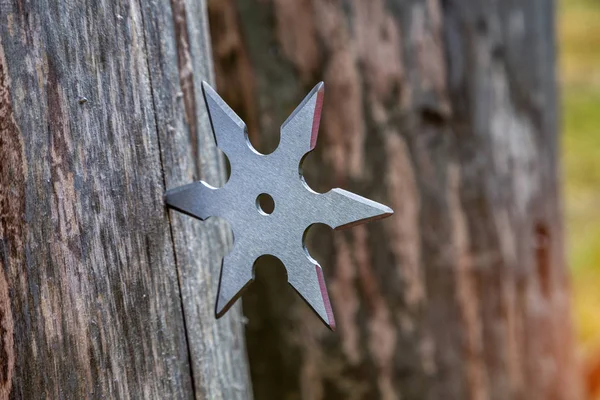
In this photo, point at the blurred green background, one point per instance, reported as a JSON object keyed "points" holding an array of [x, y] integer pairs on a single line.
{"points": [[579, 40]]}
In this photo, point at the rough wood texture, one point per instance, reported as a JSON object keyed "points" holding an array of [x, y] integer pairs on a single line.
{"points": [[445, 110], [217, 347], [97, 115]]}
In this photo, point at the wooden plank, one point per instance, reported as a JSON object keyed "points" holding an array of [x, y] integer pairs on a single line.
{"points": [[217, 347], [86, 248], [89, 299]]}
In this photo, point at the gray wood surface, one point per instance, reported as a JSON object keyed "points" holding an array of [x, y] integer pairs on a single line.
{"points": [[103, 294], [217, 347]]}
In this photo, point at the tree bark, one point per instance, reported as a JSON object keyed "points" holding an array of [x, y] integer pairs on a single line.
{"points": [[103, 294], [446, 110]]}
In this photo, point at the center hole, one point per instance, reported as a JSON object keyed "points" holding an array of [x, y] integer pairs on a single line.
{"points": [[265, 204]]}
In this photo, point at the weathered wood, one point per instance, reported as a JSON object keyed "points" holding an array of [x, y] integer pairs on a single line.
{"points": [[92, 128], [445, 110], [217, 347]]}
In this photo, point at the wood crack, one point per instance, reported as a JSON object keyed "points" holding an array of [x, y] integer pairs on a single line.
{"points": [[168, 215], [186, 77]]}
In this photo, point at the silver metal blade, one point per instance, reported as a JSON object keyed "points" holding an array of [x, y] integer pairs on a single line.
{"points": [[297, 207], [236, 274], [299, 132], [230, 131], [197, 199], [306, 276], [343, 209]]}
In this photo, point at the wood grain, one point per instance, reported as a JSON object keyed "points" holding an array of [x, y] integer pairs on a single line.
{"points": [[217, 347], [92, 303], [446, 111]]}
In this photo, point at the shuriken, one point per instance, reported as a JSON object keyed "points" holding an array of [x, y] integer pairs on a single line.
{"points": [[297, 206]]}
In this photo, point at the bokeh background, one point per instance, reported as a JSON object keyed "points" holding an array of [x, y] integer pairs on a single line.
{"points": [[447, 111], [579, 40]]}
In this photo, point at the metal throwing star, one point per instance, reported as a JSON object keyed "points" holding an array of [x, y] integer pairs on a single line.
{"points": [[278, 175]]}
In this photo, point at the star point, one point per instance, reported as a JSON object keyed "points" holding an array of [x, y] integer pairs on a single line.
{"points": [[297, 207]]}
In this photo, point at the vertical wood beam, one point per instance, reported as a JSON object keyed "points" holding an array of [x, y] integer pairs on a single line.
{"points": [[92, 128]]}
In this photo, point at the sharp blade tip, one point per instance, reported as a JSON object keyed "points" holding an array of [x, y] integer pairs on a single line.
{"points": [[332, 326], [387, 212], [318, 90], [208, 90], [222, 307], [384, 212], [328, 318], [228, 295]]}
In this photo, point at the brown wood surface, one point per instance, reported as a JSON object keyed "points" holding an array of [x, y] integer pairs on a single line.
{"points": [[446, 110], [103, 294]]}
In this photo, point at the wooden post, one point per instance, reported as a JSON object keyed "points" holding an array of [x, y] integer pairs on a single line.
{"points": [[446, 110], [103, 293]]}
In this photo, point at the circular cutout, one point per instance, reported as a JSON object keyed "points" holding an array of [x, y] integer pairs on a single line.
{"points": [[265, 204]]}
